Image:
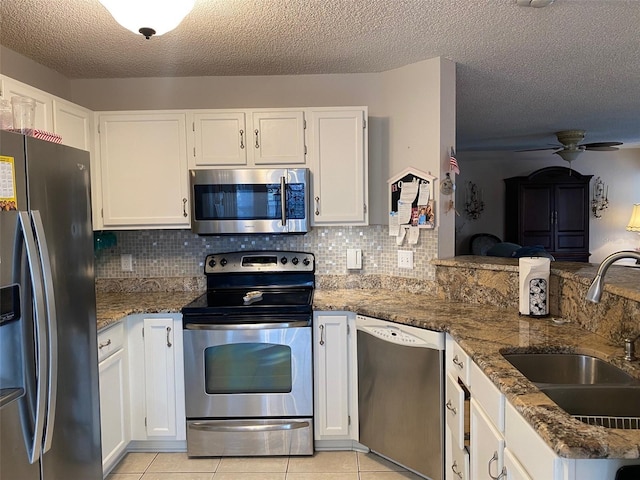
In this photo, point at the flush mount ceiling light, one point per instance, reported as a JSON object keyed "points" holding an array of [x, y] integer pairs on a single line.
{"points": [[534, 3], [149, 17]]}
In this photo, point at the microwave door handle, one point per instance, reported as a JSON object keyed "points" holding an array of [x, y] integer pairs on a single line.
{"points": [[283, 200], [35, 449]]}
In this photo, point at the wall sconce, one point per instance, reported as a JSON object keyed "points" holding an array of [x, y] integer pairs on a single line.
{"points": [[473, 204], [149, 17], [600, 200]]}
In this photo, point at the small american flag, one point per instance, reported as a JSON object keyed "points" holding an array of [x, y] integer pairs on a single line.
{"points": [[453, 163]]}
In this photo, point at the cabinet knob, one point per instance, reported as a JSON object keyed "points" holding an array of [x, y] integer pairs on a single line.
{"points": [[168, 339], [317, 199], [242, 139], [257, 142], [103, 345], [321, 334], [450, 407], [184, 207]]}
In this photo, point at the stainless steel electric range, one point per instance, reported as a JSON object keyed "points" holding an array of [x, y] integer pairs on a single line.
{"points": [[248, 356]]}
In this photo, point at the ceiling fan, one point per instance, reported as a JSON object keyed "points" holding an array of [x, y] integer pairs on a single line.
{"points": [[571, 147]]}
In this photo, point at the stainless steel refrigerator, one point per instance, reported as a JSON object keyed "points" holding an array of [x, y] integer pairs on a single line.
{"points": [[49, 403]]}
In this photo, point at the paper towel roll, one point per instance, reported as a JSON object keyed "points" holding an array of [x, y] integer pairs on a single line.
{"points": [[534, 285]]}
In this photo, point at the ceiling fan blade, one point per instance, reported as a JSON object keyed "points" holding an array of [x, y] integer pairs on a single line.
{"points": [[552, 147], [591, 146], [601, 149]]}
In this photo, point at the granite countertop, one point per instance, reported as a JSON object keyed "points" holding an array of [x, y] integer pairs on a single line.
{"points": [[482, 331], [113, 307]]}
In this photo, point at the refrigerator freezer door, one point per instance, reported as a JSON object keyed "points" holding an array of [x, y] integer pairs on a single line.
{"points": [[17, 345], [59, 190]]}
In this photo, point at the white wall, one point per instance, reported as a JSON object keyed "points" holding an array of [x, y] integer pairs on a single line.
{"points": [[27, 71], [619, 170]]}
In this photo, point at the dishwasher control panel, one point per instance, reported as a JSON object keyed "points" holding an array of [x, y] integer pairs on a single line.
{"points": [[400, 334]]}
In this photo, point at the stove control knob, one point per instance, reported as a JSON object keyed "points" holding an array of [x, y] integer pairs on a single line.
{"points": [[294, 260], [212, 263], [223, 262], [306, 262], [284, 260]]}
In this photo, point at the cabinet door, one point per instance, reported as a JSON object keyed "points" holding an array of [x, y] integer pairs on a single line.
{"points": [[44, 102], [220, 139], [144, 170], [487, 446], [571, 218], [113, 408], [159, 377], [339, 167], [537, 216], [331, 381], [514, 470], [73, 124], [277, 138]]}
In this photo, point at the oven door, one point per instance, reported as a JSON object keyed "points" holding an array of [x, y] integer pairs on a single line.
{"points": [[256, 370]]}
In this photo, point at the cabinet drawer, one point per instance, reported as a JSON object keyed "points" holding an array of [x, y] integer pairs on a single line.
{"points": [[110, 340], [455, 411], [459, 468], [487, 395], [459, 364]]}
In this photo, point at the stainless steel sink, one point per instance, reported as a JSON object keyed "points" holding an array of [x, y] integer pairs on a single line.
{"points": [[613, 406], [568, 368], [585, 387]]}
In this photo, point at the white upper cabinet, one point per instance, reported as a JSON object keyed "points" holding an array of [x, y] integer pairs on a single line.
{"points": [[278, 137], [338, 158], [44, 101], [220, 139], [73, 123], [143, 170], [246, 138]]}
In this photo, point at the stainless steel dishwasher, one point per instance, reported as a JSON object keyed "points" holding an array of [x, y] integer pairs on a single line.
{"points": [[401, 394]]}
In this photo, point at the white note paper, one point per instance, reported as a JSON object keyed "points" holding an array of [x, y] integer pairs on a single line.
{"points": [[414, 234]]}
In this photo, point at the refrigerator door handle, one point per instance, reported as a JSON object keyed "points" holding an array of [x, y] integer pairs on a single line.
{"points": [[52, 327], [35, 449]]}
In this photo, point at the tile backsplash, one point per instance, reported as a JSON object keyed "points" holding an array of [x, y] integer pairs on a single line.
{"points": [[180, 253]]}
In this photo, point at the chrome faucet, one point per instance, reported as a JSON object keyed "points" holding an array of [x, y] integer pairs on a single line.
{"points": [[595, 293], [595, 290]]}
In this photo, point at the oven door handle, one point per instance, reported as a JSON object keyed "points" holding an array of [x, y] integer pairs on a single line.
{"points": [[245, 326], [226, 426]]}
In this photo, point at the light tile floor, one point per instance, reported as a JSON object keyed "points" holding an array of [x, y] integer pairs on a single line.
{"points": [[321, 466]]}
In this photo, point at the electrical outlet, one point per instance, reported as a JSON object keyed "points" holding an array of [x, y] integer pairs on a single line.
{"points": [[405, 259], [126, 262]]}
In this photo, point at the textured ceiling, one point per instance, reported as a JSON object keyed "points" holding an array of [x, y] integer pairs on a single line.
{"points": [[523, 73]]}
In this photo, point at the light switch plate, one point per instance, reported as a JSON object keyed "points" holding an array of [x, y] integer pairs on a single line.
{"points": [[354, 258], [405, 259], [126, 262]]}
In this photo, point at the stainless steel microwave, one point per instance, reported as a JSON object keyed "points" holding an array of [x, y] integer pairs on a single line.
{"points": [[249, 201]]}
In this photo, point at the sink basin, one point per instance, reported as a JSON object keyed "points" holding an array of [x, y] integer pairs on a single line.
{"points": [[568, 368], [585, 387], [611, 406]]}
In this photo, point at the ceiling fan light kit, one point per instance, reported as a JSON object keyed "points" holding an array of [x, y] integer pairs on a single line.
{"points": [[149, 17]]}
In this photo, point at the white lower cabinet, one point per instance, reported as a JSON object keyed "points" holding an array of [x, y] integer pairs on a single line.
{"points": [[335, 382], [114, 395], [487, 445], [157, 381], [512, 466]]}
